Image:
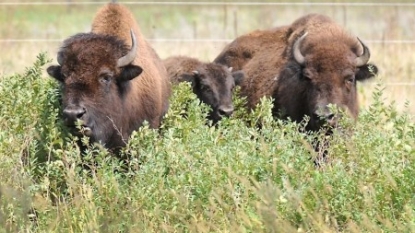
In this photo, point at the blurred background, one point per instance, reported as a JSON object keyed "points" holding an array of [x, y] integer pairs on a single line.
{"points": [[201, 29]]}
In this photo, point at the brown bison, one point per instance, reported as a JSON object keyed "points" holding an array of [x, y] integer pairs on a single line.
{"points": [[112, 79], [212, 83], [305, 68]]}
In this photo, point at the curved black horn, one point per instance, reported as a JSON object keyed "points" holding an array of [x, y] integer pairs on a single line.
{"points": [[130, 56], [297, 53], [59, 58], [364, 58]]}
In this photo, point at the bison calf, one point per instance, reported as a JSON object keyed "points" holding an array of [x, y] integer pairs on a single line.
{"points": [[212, 83], [112, 79]]}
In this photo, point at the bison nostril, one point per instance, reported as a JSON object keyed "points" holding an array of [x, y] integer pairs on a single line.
{"points": [[325, 117], [329, 116], [225, 111], [74, 113]]}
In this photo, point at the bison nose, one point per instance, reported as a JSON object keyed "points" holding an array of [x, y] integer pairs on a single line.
{"points": [[73, 113], [327, 117], [225, 111], [324, 115]]}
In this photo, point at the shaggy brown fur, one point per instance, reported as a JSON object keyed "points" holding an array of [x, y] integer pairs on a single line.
{"points": [[244, 48], [328, 75], [212, 83], [111, 101]]}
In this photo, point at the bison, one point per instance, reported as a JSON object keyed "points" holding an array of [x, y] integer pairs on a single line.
{"points": [[112, 80], [306, 67], [212, 83]]}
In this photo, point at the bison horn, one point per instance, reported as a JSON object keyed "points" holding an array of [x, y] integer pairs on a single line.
{"points": [[130, 56], [59, 58], [364, 58], [297, 53]]}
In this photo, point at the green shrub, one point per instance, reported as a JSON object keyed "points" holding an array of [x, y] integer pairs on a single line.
{"points": [[190, 176]]}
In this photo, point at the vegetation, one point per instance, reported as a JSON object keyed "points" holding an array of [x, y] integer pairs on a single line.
{"points": [[191, 177]]}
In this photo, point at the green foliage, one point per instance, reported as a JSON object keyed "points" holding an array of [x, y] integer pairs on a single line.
{"points": [[249, 173]]}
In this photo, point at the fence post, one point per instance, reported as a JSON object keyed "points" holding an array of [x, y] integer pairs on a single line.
{"points": [[235, 23], [68, 5]]}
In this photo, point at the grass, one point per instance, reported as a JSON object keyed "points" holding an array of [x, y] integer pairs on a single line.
{"points": [[190, 177]]}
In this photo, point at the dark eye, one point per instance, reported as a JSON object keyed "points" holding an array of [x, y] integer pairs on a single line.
{"points": [[306, 75], [205, 88], [105, 79], [350, 79]]}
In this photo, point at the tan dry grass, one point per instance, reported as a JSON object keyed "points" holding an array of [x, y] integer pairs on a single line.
{"points": [[395, 60]]}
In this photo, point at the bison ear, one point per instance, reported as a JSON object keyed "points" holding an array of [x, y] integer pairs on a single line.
{"points": [[130, 72], [366, 72], [55, 72], [190, 77], [238, 76], [186, 77]]}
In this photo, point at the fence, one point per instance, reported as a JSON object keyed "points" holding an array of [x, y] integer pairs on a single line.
{"points": [[367, 5], [352, 4]]}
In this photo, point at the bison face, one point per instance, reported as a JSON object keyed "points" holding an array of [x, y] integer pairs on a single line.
{"points": [[94, 84], [329, 71], [325, 89], [213, 84]]}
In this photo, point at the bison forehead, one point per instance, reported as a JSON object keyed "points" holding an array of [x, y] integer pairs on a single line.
{"points": [[330, 58], [93, 55], [86, 69], [92, 50], [217, 72]]}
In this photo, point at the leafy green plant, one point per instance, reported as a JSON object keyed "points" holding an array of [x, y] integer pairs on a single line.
{"points": [[190, 176]]}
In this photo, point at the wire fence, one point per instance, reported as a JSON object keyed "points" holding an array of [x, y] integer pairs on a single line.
{"points": [[167, 3], [205, 3], [218, 4]]}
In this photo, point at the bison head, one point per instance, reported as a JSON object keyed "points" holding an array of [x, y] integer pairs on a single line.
{"points": [[95, 72], [326, 70], [213, 85]]}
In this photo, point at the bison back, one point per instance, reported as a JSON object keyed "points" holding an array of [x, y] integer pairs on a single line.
{"points": [[240, 51]]}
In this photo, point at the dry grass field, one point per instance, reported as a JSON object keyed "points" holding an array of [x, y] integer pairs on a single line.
{"points": [[202, 30]]}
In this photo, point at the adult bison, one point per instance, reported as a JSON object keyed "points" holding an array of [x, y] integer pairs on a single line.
{"points": [[112, 79], [306, 67], [212, 83]]}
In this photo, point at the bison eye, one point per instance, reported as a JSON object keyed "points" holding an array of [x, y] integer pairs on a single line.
{"points": [[350, 79], [205, 88], [105, 79], [306, 74], [305, 77]]}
